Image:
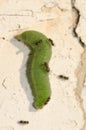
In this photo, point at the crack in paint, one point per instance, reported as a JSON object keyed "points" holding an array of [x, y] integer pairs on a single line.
{"points": [[51, 5], [3, 83], [81, 71], [19, 13], [76, 23]]}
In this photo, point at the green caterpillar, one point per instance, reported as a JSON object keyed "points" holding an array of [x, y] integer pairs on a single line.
{"points": [[37, 66]]}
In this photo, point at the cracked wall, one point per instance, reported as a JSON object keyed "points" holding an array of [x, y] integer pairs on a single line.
{"points": [[64, 22]]}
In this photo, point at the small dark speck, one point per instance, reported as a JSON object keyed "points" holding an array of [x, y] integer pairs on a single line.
{"points": [[70, 48], [63, 77], [19, 26], [3, 38], [23, 122]]}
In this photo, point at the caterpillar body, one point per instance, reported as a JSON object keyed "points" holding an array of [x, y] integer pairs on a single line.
{"points": [[37, 65]]}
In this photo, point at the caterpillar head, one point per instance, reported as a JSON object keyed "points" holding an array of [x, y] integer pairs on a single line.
{"points": [[31, 38]]}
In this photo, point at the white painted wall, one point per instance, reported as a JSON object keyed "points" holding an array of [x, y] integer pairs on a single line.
{"points": [[56, 19]]}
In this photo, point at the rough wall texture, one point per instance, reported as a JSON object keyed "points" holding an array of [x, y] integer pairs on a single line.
{"points": [[64, 22]]}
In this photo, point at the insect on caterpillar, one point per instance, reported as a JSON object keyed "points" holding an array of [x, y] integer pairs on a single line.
{"points": [[47, 67], [37, 65], [51, 41]]}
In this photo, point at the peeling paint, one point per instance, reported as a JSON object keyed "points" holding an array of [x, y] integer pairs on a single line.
{"points": [[81, 74], [81, 70]]}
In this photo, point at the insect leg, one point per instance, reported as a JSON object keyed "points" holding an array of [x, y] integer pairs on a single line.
{"points": [[47, 66], [51, 41]]}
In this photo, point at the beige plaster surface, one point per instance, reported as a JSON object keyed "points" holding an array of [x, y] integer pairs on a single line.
{"points": [[62, 21]]}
